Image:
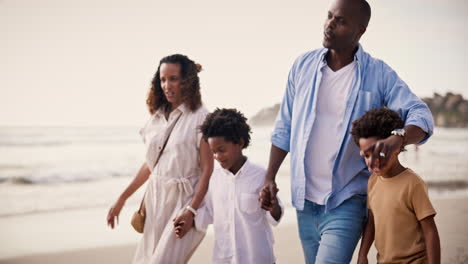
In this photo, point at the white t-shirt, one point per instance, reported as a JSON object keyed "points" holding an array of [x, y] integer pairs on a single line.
{"points": [[242, 228], [324, 141]]}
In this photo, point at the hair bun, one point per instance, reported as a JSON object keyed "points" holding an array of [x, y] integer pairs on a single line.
{"points": [[199, 67]]}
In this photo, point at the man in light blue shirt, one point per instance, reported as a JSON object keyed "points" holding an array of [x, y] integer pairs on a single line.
{"points": [[327, 89]]}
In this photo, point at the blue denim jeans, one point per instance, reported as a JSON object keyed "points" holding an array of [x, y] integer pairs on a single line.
{"points": [[331, 237]]}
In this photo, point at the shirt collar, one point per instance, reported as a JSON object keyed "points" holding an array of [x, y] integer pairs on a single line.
{"points": [[358, 56], [182, 108], [239, 173]]}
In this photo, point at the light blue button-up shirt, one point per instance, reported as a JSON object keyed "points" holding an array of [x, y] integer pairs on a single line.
{"points": [[375, 85]]}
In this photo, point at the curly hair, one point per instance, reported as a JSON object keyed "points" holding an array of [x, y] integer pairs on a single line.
{"points": [[377, 123], [227, 123], [190, 85]]}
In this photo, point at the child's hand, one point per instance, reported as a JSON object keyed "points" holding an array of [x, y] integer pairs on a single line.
{"points": [[265, 198], [182, 228], [183, 223]]}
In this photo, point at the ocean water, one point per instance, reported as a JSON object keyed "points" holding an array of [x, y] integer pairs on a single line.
{"points": [[49, 169]]}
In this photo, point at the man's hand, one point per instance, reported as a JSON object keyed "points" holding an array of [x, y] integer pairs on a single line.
{"points": [[382, 150]]}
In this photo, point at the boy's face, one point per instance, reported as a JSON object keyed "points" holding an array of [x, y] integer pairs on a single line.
{"points": [[228, 154], [365, 144]]}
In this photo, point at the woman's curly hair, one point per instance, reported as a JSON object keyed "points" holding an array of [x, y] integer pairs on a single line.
{"points": [[227, 123], [377, 123], [190, 85]]}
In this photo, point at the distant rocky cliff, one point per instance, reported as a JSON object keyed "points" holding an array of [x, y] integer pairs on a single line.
{"points": [[450, 110], [266, 116]]}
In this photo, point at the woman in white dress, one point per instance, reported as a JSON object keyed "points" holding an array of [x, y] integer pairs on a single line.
{"points": [[179, 181]]}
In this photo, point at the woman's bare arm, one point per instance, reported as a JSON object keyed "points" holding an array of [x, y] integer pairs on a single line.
{"points": [[140, 178], [206, 165]]}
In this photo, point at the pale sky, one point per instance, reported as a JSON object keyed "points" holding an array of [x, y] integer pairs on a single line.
{"points": [[90, 62]]}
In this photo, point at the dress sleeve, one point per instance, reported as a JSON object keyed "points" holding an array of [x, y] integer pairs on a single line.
{"points": [[201, 115], [144, 130]]}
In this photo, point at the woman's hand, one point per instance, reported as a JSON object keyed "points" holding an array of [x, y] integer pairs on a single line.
{"points": [[140, 178], [114, 212], [183, 223]]}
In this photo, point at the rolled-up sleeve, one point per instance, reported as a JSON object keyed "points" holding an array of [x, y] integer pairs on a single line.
{"points": [[411, 108], [282, 131]]}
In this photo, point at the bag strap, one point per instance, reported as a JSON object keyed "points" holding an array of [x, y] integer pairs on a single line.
{"points": [[167, 134], [142, 204]]}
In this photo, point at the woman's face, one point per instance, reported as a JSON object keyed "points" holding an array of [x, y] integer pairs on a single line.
{"points": [[171, 83]]}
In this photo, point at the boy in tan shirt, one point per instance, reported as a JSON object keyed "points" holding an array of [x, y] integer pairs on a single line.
{"points": [[401, 216]]}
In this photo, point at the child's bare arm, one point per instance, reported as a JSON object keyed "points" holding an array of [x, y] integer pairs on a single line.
{"points": [[431, 237], [367, 239], [265, 199], [276, 211]]}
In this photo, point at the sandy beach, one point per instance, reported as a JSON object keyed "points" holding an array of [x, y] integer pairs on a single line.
{"points": [[59, 216], [451, 221]]}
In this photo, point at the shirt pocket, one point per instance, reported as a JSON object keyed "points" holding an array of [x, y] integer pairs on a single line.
{"points": [[248, 203], [367, 100]]}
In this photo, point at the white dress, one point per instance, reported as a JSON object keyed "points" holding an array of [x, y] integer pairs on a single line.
{"points": [[171, 186]]}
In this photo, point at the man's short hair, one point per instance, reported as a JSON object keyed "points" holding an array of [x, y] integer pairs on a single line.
{"points": [[365, 12]]}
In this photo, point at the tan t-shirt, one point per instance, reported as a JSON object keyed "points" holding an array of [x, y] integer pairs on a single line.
{"points": [[398, 204]]}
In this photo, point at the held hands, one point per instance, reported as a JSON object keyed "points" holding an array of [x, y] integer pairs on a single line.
{"points": [[267, 195], [381, 152], [113, 214], [183, 223]]}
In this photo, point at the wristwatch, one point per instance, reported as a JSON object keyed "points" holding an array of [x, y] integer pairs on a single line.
{"points": [[399, 132], [191, 209]]}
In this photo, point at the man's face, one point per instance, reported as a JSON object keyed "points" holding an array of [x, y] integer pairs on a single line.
{"points": [[342, 28]]}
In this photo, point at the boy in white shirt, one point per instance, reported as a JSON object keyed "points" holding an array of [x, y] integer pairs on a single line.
{"points": [[242, 228]]}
